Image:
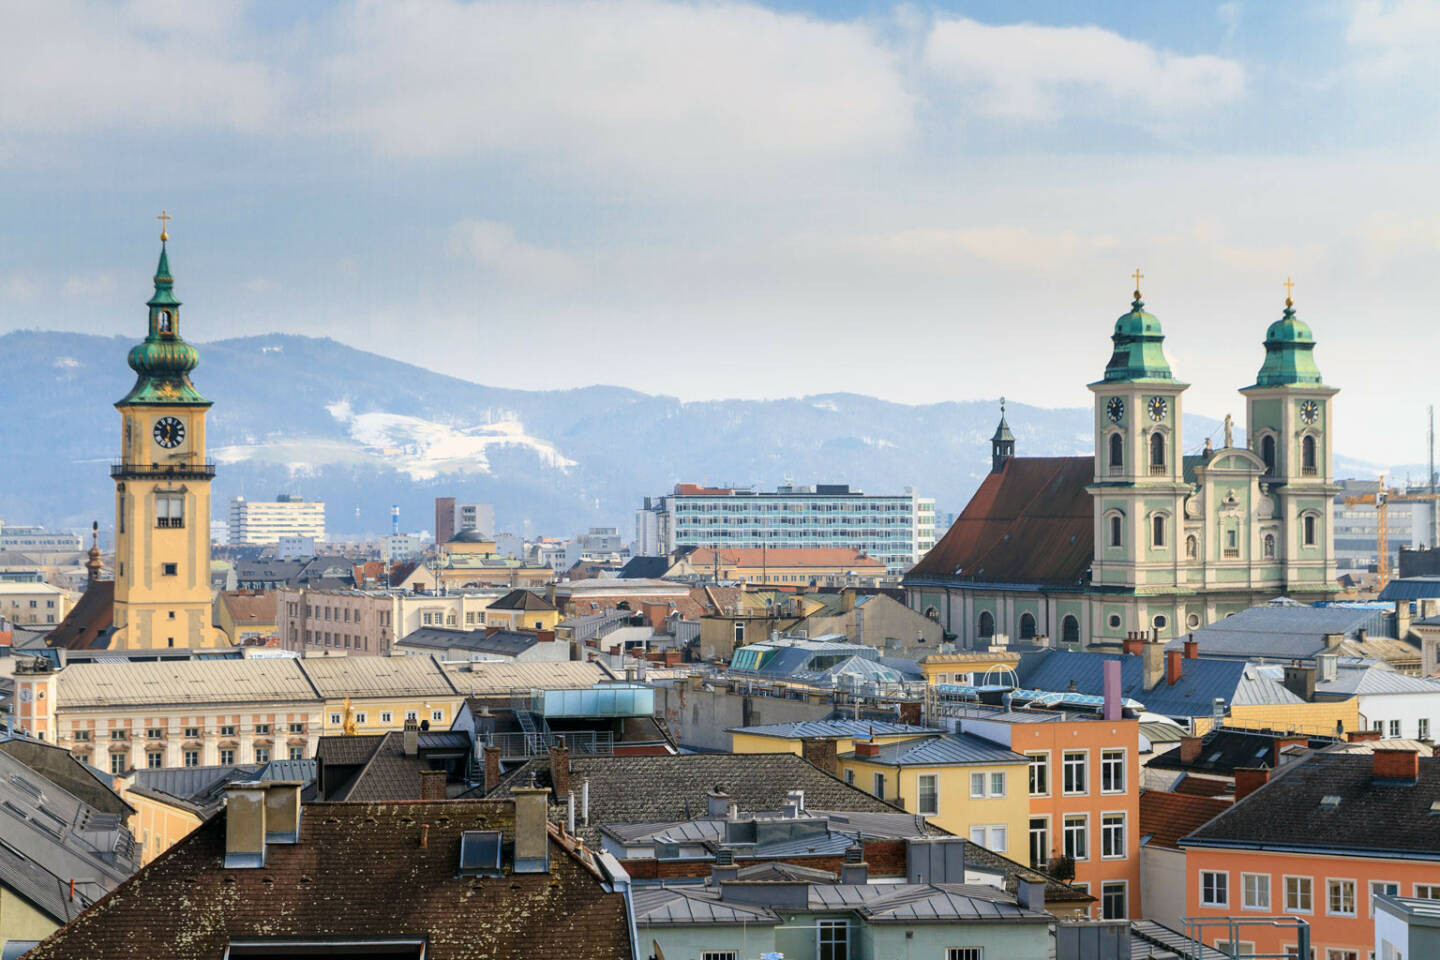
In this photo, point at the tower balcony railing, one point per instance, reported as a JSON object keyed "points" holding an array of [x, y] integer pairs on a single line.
{"points": [[162, 471], [1158, 470]]}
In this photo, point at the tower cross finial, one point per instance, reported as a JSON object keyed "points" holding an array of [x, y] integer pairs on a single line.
{"points": [[1002, 408], [164, 219], [1289, 291], [1137, 276]]}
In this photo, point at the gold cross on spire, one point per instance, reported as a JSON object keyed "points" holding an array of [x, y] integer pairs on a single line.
{"points": [[164, 219], [1289, 290], [1137, 276]]}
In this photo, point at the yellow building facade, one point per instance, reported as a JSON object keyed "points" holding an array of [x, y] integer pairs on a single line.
{"points": [[162, 491]]}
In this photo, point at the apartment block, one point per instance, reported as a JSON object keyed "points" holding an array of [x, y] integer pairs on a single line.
{"points": [[255, 522]]}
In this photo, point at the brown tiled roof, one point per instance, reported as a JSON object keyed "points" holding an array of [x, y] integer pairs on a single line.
{"points": [[1205, 787], [1033, 522], [1166, 817], [358, 871], [387, 775], [88, 620], [249, 606], [347, 751]]}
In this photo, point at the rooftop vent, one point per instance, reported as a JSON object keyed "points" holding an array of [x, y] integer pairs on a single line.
{"points": [[480, 853], [1330, 801]]}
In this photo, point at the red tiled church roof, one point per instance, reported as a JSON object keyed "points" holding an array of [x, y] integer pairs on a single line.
{"points": [[1033, 522]]}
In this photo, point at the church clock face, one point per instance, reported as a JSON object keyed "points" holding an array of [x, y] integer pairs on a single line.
{"points": [[1115, 409], [1158, 408], [168, 432], [1309, 411]]}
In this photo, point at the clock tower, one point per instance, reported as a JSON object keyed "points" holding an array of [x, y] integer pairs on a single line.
{"points": [[162, 490]]}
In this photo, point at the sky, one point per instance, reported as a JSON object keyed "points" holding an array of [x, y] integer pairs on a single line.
{"points": [[921, 202]]}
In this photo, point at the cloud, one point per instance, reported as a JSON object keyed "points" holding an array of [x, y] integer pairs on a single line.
{"points": [[495, 247], [1394, 38], [1029, 72]]}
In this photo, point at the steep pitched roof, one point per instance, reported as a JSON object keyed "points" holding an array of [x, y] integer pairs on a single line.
{"points": [[249, 606], [521, 599], [360, 870], [1033, 522], [1166, 817], [88, 621]]}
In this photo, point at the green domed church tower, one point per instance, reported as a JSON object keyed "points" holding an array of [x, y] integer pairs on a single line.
{"points": [[162, 489]]}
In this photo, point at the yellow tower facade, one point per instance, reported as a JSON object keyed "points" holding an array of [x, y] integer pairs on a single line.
{"points": [[162, 491]]}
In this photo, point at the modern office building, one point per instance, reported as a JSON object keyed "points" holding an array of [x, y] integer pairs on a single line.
{"points": [[453, 518], [254, 522], [34, 539], [897, 529], [1410, 524]]}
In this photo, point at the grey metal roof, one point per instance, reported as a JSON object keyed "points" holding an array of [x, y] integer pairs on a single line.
{"points": [[1283, 630], [1411, 588], [849, 824], [503, 643], [959, 748], [1372, 679], [695, 906], [833, 728], [878, 903]]}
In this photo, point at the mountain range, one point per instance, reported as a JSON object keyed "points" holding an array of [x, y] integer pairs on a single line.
{"points": [[319, 419]]}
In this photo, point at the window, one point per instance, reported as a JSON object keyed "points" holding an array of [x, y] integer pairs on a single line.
{"points": [[1157, 530], [1255, 888], [1267, 453], [117, 763], [409, 715], [82, 736], [1027, 626], [991, 836], [192, 758], [170, 510], [1298, 895], [1039, 774], [1422, 729], [1340, 898], [297, 753], [227, 757], [1427, 891], [977, 784], [1214, 888], [334, 719], [1039, 842], [1117, 531], [1157, 452], [1310, 534], [169, 569], [1340, 953], [1117, 453], [832, 939], [192, 733], [297, 728], [385, 716], [1394, 728], [879, 785], [997, 784], [986, 627], [437, 715], [1112, 836], [850, 777], [964, 953], [1069, 629], [718, 955], [1076, 836], [929, 797], [1112, 900], [1307, 456], [154, 759], [1074, 771], [1112, 771], [1240, 948], [1378, 887], [262, 754], [227, 731], [360, 717]]}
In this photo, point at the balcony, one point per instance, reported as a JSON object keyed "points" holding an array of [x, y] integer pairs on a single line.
{"points": [[1158, 470], [162, 471], [1307, 471]]}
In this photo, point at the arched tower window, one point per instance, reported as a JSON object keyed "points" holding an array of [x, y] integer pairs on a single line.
{"points": [[1311, 530], [1267, 453], [1157, 530], [987, 624], [1027, 626], [1117, 453], [1157, 452], [1307, 456], [1070, 629], [1117, 530]]}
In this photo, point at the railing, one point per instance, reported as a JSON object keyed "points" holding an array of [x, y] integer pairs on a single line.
{"points": [[177, 471], [1307, 471], [1158, 470], [585, 743]]}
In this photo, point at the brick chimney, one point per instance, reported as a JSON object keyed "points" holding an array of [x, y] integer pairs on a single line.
{"points": [[432, 784], [544, 636], [560, 768], [1281, 743], [1361, 736], [1192, 647], [532, 829], [820, 751], [1189, 749], [1248, 780], [1172, 667], [492, 768], [866, 748], [1132, 644], [1396, 765], [854, 869]]}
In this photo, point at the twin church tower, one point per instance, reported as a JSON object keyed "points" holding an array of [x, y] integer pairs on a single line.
{"points": [[162, 489]]}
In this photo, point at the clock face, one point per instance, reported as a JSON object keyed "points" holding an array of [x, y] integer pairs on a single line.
{"points": [[1309, 411], [1158, 408], [1115, 409], [168, 432]]}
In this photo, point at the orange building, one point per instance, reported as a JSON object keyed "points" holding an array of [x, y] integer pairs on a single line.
{"points": [[1084, 780], [1318, 841]]}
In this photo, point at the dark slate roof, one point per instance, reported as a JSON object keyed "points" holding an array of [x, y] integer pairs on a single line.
{"points": [[505, 643], [1282, 631], [88, 623], [1201, 681], [345, 751], [63, 769], [1224, 750], [385, 773], [1166, 817], [1033, 523], [645, 568], [359, 870], [1371, 818], [521, 599], [944, 750], [203, 788]]}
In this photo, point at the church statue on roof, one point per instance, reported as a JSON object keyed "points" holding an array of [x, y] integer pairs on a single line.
{"points": [[1143, 537]]}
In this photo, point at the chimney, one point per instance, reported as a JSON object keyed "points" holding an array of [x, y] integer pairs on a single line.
{"points": [[820, 751], [412, 738], [1172, 667], [244, 824], [432, 784], [544, 636], [585, 801], [854, 869], [1277, 753], [1248, 780], [532, 830], [282, 811], [1396, 765], [1300, 680], [492, 768], [724, 869], [866, 748], [1326, 665], [1132, 644], [796, 798], [1402, 608], [1153, 652], [1192, 648], [492, 629], [717, 802], [1361, 736], [1112, 690], [1189, 749], [1030, 895], [560, 767], [847, 600]]}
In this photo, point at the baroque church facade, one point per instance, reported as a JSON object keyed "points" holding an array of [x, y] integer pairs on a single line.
{"points": [[1141, 537]]}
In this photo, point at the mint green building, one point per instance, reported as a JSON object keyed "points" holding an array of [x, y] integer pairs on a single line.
{"points": [[1147, 534]]}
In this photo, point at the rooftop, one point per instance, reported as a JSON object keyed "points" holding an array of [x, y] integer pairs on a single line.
{"points": [[833, 729], [1166, 817], [942, 750]]}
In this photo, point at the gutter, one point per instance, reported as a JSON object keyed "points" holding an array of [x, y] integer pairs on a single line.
{"points": [[1187, 843]]}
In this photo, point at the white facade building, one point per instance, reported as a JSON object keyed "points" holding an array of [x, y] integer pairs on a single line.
{"points": [[401, 547], [898, 529], [255, 522], [36, 540]]}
